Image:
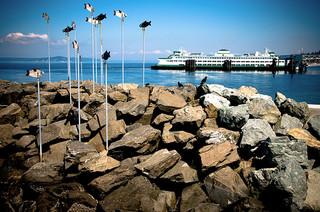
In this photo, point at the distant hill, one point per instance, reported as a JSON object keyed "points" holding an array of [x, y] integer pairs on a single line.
{"points": [[42, 59]]}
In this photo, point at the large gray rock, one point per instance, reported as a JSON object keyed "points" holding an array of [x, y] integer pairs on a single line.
{"points": [[279, 99], [116, 96], [218, 155], [57, 112], [168, 102], [248, 91], [234, 96], [216, 89], [99, 119], [217, 101], [202, 89], [287, 123], [254, 132], [6, 135], [139, 93], [314, 125], [95, 100], [233, 117], [189, 116], [159, 201], [98, 163], [191, 197], [26, 141], [262, 106], [10, 114], [181, 173], [260, 179], [281, 149], [143, 140], [288, 187], [56, 153], [299, 110], [218, 135], [225, 187], [59, 130], [133, 108], [158, 163], [9, 92], [75, 150], [312, 202], [162, 118]]}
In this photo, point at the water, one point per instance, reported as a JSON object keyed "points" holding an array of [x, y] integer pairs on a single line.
{"points": [[302, 87]]}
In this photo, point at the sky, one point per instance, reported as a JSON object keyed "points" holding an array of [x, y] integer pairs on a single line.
{"points": [[246, 26]]}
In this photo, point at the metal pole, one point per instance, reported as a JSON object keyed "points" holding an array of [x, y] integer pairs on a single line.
{"points": [[75, 55], [40, 144], [106, 79], [49, 51], [79, 117], [69, 73], [144, 31], [81, 68], [95, 47], [122, 51], [101, 65], [92, 51]]}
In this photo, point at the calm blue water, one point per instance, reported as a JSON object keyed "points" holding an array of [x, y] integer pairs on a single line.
{"points": [[302, 87]]}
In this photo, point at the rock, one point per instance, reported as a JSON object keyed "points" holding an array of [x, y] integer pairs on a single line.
{"points": [[99, 119], [46, 98], [312, 201], [190, 91], [281, 149], [210, 123], [98, 163], [43, 174], [9, 92], [262, 106], [76, 150], [56, 153], [279, 99], [80, 207], [225, 187], [299, 110], [254, 132], [128, 86], [191, 197], [147, 116], [181, 173], [129, 197], [139, 93], [17, 132], [234, 96], [143, 140], [218, 155], [314, 125], [286, 123], [115, 130], [158, 163], [167, 135], [217, 101], [159, 201], [108, 182], [25, 141], [288, 187], [247, 91], [10, 114], [189, 116], [208, 207], [116, 96], [59, 130], [182, 136], [211, 111], [218, 135], [202, 89], [28, 205], [57, 112], [133, 108], [168, 102], [6, 134], [233, 117], [261, 179], [95, 100], [216, 89], [162, 118]]}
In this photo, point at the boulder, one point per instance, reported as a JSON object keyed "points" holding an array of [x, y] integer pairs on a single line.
{"points": [[133, 108], [218, 135], [56, 153], [210, 122], [288, 188], [147, 116], [95, 100], [248, 91], [286, 123], [233, 117], [158, 163], [162, 118], [218, 155], [234, 96], [139, 93], [98, 163], [57, 112], [191, 197], [190, 91], [299, 110], [314, 126], [225, 187], [208, 207], [159, 201], [262, 106], [254, 132], [116, 96], [116, 129], [217, 101], [211, 111], [279, 99], [76, 150], [43, 174], [181, 173], [59, 130], [167, 135], [6, 134], [168, 102], [99, 119], [26, 141], [9, 92], [261, 179], [189, 116], [11, 114], [216, 89], [202, 89], [143, 140], [18, 132], [182, 136], [312, 201], [128, 86]]}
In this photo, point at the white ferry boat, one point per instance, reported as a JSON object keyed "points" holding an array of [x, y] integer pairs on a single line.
{"points": [[221, 60]]}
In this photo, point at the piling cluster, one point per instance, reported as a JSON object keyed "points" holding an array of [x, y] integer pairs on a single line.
{"points": [[186, 148]]}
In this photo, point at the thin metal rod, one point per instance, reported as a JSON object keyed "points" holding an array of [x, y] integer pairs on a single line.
{"points": [[144, 32], [40, 143], [101, 65], [79, 111], [106, 79], [96, 53], [75, 55], [122, 52], [69, 73], [49, 52], [81, 68], [92, 52]]}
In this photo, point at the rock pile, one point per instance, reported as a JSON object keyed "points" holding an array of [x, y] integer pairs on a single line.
{"points": [[205, 148]]}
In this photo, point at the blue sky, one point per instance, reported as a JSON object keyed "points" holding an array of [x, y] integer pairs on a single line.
{"points": [[196, 25]]}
